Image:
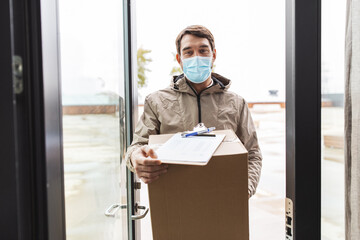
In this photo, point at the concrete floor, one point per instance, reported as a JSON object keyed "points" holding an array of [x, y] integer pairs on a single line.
{"points": [[91, 154]]}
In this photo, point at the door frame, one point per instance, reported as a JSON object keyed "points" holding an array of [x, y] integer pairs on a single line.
{"points": [[303, 117], [33, 124], [131, 107], [9, 182], [32, 174]]}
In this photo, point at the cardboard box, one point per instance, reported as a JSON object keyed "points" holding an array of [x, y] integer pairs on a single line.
{"points": [[203, 202]]}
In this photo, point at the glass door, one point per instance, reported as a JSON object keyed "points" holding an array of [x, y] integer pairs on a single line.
{"points": [[333, 16], [93, 106], [256, 69]]}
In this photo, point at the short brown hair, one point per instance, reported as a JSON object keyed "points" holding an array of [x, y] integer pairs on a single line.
{"points": [[198, 31]]}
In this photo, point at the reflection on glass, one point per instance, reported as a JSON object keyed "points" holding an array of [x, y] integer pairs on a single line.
{"points": [[332, 124], [256, 68], [93, 118]]}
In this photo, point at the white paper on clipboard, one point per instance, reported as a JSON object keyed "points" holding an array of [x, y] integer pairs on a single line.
{"points": [[190, 150]]}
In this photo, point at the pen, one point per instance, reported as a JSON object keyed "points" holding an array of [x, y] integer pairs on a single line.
{"points": [[199, 132]]}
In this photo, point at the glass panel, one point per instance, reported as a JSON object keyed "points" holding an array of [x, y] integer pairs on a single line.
{"points": [[332, 123], [91, 45], [256, 68]]}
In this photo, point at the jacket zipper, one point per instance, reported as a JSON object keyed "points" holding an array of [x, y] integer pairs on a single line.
{"points": [[199, 107], [198, 100]]}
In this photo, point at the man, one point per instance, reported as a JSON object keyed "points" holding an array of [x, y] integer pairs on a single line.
{"points": [[196, 96]]}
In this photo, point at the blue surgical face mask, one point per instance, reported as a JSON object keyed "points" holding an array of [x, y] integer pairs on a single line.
{"points": [[197, 69]]}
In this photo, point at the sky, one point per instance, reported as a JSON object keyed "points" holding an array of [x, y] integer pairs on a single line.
{"points": [[249, 39]]}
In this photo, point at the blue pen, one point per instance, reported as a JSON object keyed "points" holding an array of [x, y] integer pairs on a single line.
{"points": [[199, 132]]}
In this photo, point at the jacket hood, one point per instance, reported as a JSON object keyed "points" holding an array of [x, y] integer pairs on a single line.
{"points": [[221, 83]]}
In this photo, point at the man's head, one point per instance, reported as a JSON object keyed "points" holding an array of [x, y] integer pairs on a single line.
{"points": [[196, 53], [196, 31]]}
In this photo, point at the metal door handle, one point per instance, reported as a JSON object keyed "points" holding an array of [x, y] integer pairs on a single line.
{"points": [[110, 212], [140, 216]]}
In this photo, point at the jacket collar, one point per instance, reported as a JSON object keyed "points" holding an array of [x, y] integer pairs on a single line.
{"points": [[220, 84]]}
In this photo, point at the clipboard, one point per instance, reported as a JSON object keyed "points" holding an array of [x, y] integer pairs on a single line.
{"points": [[190, 150]]}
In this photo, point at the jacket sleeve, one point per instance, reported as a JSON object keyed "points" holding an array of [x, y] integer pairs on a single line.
{"points": [[147, 125], [247, 135]]}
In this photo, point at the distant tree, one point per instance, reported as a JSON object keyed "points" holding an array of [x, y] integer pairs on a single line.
{"points": [[176, 70], [142, 61]]}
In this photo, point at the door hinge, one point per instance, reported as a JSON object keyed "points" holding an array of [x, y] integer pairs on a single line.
{"points": [[17, 69], [137, 185], [289, 219]]}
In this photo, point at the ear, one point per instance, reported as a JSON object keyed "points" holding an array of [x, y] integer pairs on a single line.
{"points": [[214, 55], [178, 58]]}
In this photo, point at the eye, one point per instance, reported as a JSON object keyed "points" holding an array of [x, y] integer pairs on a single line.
{"points": [[188, 53], [204, 51]]}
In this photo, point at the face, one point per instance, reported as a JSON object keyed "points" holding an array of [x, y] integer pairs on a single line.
{"points": [[191, 46]]}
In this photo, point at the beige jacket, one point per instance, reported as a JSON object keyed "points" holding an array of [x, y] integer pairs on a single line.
{"points": [[179, 108]]}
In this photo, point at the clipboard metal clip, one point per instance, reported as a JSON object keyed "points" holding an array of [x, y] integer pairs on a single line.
{"points": [[199, 130]]}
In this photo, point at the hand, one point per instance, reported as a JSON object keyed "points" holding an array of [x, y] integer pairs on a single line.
{"points": [[147, 169]]}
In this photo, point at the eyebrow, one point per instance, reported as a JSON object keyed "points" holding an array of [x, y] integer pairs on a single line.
{"points": [[202, 46], [187, 48]]}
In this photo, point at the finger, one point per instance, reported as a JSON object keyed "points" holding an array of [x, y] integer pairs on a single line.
{"points": [[149, 180], [152, 153], [151, 161], [149, 152], [153, 179], [149, 168], [159, 171], [152, 174], [148, 161]]}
